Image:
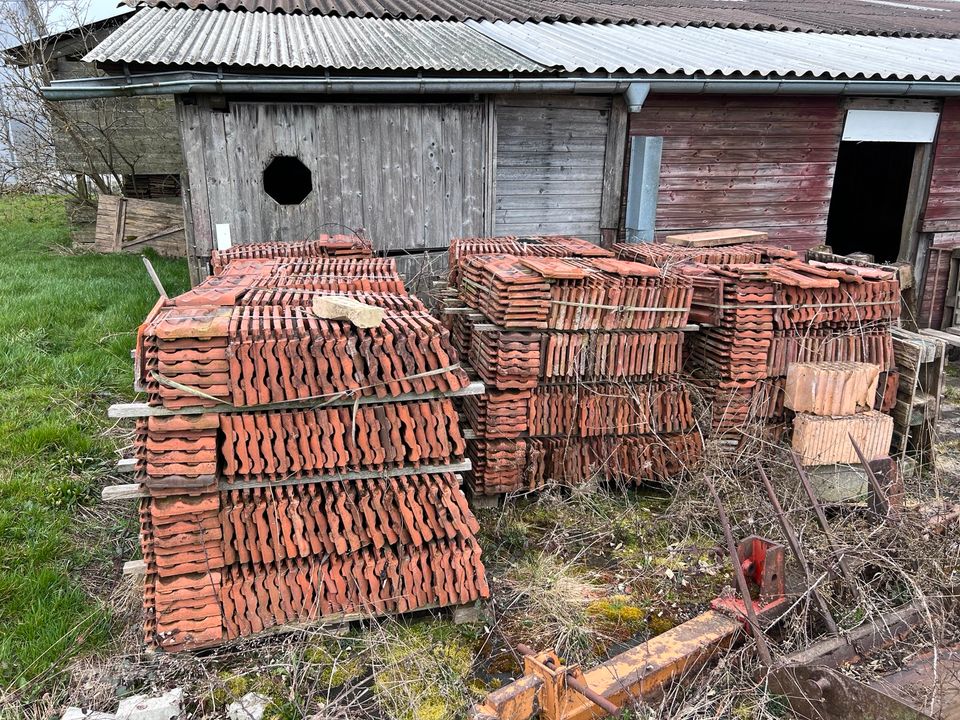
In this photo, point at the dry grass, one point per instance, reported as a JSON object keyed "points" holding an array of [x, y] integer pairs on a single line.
{"points": [[548, 598]]}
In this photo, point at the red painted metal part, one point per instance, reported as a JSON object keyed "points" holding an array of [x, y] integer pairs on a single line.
{"points": [[762, 562]]}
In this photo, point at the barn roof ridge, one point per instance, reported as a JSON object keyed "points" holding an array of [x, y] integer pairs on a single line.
{"points": [[256, 41], [896, 18]]}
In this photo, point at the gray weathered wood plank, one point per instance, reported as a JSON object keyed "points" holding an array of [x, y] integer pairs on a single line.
{"points": [[411, 174], [139, 409], [134, 491], [613, 163]]}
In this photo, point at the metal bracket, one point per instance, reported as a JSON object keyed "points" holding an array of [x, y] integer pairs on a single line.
{"points": [[762, 562]]}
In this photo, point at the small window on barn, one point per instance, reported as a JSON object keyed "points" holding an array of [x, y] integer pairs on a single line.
{"points": [[287, 180]]}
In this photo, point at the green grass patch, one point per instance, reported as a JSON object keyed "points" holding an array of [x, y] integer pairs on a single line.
{"points": [[67, 325]]}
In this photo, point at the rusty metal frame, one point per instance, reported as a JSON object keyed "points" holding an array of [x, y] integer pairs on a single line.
{"points": [[554, 691]]}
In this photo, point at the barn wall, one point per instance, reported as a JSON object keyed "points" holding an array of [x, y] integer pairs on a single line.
{"points": [[942, 212], [754, 162], [550, 164], [142, 137], [412, 175]]}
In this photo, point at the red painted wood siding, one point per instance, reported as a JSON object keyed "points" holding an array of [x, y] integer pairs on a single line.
{"points": [[942, 213], [744, 161]]}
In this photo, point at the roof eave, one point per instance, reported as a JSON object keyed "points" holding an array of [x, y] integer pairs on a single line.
{"points": [[178, 82]]}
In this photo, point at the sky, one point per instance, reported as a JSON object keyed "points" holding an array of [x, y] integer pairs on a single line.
{"points": [[63, 14]]}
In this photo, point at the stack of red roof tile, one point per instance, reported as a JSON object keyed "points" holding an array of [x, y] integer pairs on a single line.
{"points": [[662, 255], [499, 414], [519, 245], [625, 459], [506, 360], [580, 353], [498, 465], [309, 479], [325, 246], [609, 409], [763, 308], [573, 294]]}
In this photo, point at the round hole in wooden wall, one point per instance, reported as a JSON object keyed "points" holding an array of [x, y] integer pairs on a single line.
{"points": [[287, 180]]}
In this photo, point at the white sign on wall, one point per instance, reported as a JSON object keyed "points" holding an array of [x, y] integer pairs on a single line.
{"points": [[223, 236], [890, 126]]}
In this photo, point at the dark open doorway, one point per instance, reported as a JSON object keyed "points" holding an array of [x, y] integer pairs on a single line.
{"points": [[870, 188]]}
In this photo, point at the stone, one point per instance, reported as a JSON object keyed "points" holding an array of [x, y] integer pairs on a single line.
{"points": [[467, 614], [251, 706], [75, 713], [143, 707], [831, 388], [340, 307], [838, 483]]}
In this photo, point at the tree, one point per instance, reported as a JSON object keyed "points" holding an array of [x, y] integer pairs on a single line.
{"points": [[61, 146]]}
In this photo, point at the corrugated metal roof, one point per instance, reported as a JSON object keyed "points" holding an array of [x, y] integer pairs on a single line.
{"points": [[157, 36], [920, 18], [718, 51]]}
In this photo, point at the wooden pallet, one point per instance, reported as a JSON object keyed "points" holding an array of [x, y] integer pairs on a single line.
{"points": [[920, 360]]}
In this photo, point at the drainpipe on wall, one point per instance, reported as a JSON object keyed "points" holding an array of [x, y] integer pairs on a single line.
{"points": [[643, 182], [636, 95]]}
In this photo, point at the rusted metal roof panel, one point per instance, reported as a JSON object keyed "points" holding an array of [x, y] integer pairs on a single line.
{"points": [[160, 36], [688, 51], [920, 18]]}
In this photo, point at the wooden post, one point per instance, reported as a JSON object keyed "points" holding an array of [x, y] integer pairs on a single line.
{"points": [[120, 226], [613, 162]]}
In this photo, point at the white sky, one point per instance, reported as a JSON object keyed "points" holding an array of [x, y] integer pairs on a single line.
{"points": [[63, 14]]}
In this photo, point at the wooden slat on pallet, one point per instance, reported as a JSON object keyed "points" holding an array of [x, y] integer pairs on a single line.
{"points": [[920, 360], [716, 238]]}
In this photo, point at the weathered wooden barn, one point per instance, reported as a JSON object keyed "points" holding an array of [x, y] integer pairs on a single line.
{"points": [[833, 123]]}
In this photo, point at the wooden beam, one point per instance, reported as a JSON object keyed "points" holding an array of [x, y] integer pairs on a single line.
{"points": [[948, 337], [135, 491], [126, 465], [613, 162], [913, 243], [715, 238], [130, 491], [139, 409], [150, 237]]}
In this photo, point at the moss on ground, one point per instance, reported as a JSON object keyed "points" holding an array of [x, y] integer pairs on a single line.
{"points": [[618, 615], [420, 668], [337, 662]]}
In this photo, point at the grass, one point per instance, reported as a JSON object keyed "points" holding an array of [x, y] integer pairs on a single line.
{"points": [[67, 325]]}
